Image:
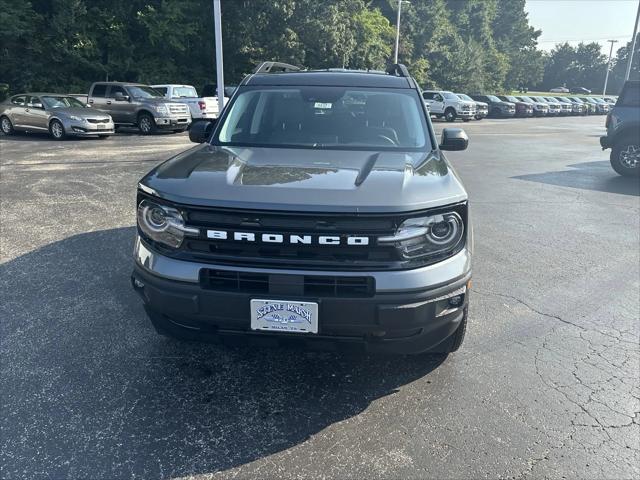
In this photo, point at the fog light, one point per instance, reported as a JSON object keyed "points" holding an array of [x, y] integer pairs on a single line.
{"points": [[456, 301]]}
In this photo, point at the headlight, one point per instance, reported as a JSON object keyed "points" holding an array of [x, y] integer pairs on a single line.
{"points": [[427, 236], [77, 119], [161, 109], [163, 224]]}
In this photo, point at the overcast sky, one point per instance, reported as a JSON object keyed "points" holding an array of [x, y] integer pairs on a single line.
{"points": [[583, 20]]}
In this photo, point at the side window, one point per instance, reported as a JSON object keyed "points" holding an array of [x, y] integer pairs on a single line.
{"points": [[115, 89], [438, 98], [162, 90], [630, 96], [99, 91], [34, 102], [427, 95], [20, 101]]}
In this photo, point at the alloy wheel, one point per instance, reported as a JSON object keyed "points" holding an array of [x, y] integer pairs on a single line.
{"points": [[57, 130], [145, 125], [6, 126], [630, 156]]}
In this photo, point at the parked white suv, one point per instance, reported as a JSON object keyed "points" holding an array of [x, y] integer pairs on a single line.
{"points": [[201, 108], [447, 104]]}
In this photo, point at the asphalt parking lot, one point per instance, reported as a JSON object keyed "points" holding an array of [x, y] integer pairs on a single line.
{"points": [[547, 384]]}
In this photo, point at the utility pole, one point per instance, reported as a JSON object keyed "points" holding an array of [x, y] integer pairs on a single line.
{"points": [[400, 2], [217, 25], [606, 77], [633, 45]]}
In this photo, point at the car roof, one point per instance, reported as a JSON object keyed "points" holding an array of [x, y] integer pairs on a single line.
{"points": [[121, 83], [329, 78], [40, 94]]}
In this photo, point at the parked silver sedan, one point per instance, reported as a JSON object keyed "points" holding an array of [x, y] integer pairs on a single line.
{"points": [[60, 115]]}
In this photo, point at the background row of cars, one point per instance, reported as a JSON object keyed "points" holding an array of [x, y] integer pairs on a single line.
{"points": [[451, 106], [107, 106], [174, 107]]}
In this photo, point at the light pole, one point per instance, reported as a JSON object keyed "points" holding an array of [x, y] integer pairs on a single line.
{"points": [[217, 26], [606, 77], [633, 45], [395, 56]]}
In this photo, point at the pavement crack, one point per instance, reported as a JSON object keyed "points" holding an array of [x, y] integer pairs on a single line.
{"points": [[530, 307]]}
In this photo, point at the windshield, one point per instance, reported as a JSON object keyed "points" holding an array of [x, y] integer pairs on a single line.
{"points": [[141, 91], [576, 99], [185, 92], [62, 102], [551, 100], [326, 117], [599, 100], [526, 99], [464, 97], [450, 96], [564, 99], [493, 98], [511, 99]]}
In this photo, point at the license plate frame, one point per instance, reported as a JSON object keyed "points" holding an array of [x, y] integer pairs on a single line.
{"points": [[284, 316]]}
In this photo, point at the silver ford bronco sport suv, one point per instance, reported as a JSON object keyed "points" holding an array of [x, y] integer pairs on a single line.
{"points": [[135, 104], [319, 208]]}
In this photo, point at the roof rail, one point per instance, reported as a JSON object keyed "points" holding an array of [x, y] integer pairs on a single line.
{"points": [[275, 67], [398, 69]]}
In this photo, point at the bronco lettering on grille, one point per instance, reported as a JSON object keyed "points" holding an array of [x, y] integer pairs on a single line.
{"points": [[288, 239]]}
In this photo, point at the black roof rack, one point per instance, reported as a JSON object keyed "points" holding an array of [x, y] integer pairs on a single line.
{"points": [[275, 67], [398, 69]]}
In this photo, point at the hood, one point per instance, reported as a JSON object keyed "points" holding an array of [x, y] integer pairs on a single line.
{"points": [[466, 103], [507, 104], [481, 104], [153, 100], [79, 112], [306, 179]]}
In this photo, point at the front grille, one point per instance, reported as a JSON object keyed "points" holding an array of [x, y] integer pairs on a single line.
{"points": [[98, 120], [285, 255], [178, 109], [307, 285]]}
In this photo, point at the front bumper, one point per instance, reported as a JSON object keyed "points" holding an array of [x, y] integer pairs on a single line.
{"points": [[86, 129], [408, 312], [173, 122], [605, 142], [466, 114]]}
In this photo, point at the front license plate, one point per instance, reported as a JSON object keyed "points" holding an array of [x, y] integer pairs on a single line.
{"points": [[284, 316], [101, 127]]}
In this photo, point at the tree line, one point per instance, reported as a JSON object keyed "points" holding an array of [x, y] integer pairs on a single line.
{"points": [[462, 45]]}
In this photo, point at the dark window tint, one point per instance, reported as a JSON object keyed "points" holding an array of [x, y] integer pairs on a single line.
{"points": [[162, 90], [428, 95], [630, 95], [18, 101], [99, 91], [115, 89]]}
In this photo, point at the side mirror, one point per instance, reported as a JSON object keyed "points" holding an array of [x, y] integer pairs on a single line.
{"points": [[200, 131], [121, 97], [454, 139]]}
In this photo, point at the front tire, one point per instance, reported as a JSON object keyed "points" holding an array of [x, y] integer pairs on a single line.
{"points": [[625, 157], [56, 129], [6, 126], [146, 124], [450, 115]]}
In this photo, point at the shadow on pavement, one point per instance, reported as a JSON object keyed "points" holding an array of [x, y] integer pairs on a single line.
{"points": [[90, 391], [598, 176]]}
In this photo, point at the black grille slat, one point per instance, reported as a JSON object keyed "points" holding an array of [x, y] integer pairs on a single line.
{"points": [[314, 285]]}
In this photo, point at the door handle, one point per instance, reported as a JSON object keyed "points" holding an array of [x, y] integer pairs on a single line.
{"points": [[108, 102], [91, 100], [26, 109]]}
